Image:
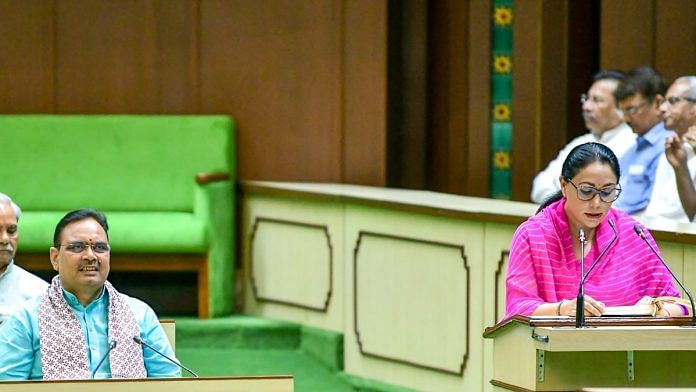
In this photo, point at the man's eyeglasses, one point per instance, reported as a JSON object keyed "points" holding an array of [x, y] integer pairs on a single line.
{"points": [[631, 110], [673, 100], [594, 99], [587, 193], [80, 246]]}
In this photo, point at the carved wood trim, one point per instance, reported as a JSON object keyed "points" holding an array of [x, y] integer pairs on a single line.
{"points": [[498, 271], [207, 178], [252, 280], [509, 387], [364, 352]]}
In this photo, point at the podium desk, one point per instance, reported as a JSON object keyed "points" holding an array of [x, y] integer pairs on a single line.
{"points": [[550, 354], [210, 384]]}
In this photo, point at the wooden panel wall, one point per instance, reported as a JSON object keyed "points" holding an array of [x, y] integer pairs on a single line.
{"points": [[308, 81], [305, 81], [650, 32], [26, 56], [448, 144], [539, 88]]}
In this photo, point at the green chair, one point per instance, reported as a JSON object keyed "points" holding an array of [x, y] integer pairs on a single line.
{"points": [[165, 182]]}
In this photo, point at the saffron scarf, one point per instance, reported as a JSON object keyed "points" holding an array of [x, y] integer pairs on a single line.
{"points": [[63, 348]]}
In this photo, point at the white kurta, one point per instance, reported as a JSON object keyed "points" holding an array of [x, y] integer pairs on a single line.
{"points": [[546, 183], [664, 201], [16, 286]]}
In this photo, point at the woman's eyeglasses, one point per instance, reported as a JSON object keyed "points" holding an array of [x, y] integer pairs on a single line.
{"points": [[587, 193]]}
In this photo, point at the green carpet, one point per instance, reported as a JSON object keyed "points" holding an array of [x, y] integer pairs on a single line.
{"points": [[310, 374], [245, 345]]}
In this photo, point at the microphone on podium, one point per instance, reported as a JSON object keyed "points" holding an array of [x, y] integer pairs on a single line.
{"points": [[580, 304], [640, 233], [141, 342], [112, 345]]}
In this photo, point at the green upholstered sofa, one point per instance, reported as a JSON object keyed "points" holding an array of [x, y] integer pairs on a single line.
{"points": [[165, 182]]}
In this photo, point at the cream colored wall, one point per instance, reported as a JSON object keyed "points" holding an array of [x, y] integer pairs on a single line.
{"points": [[422, 304], [411, 286], [292, 257]]}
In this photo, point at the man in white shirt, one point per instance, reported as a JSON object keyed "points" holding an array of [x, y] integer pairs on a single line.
{"points": [[674, 195], [16, 284], [606, 125]]}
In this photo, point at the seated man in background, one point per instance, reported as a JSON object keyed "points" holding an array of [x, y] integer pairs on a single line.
{"points": [[16, 284], [639, 96], [81, 327], [604, 121], [676, 171]]}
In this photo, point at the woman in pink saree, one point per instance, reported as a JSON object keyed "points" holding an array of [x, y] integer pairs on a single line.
{"points": [[544, 269]]}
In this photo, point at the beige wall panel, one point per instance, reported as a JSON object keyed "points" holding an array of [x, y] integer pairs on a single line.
{"points": [[378, 360], [690, 268], [408, 277], [308, 246], [497, 239], [286, 255], [392, 274]]}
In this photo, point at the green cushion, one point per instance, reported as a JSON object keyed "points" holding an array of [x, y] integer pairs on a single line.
{"points": [[138, 232], [111, 162]]}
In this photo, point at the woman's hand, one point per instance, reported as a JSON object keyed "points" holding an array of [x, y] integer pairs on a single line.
{"points": [[662, 308], [592, 307]]}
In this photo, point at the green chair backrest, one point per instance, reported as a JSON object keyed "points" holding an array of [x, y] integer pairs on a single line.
{"points": [[111, 162]]}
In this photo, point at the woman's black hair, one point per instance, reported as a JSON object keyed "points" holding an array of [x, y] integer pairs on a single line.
{"points": [[578, 158]]}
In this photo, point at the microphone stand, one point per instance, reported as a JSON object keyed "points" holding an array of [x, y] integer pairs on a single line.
{"points": [[112, 345], [640, 233], [580, 302], [141, 342]]}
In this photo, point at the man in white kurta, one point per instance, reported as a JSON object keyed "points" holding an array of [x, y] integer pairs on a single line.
{"points": [[604, 121], [16, 284], [674, 196]]}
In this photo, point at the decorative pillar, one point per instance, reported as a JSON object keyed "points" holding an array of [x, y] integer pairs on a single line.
{"points": [[501, 99]]}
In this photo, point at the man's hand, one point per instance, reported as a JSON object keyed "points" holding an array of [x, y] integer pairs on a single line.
{"points": [[676, 155], [690, 136]]}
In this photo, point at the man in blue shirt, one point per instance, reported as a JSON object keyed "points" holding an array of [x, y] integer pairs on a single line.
{"points": [[81, 327], [639, 96]]}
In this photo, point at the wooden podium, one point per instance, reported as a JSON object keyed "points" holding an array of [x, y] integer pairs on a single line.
{"points": [[212, 384], [550, 354]]}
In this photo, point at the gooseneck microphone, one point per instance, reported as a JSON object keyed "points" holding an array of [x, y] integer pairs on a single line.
{"points": [[640, 233], [112, 345], [580, 305], [580, 302], [142, 343]]}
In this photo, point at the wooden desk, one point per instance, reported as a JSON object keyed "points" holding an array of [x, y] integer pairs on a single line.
{"points": [[218, 384], [550, 354]]}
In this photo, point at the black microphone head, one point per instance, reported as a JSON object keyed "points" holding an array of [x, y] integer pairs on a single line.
{"points": [[638, 230], [112, 345], [137, 339]]}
